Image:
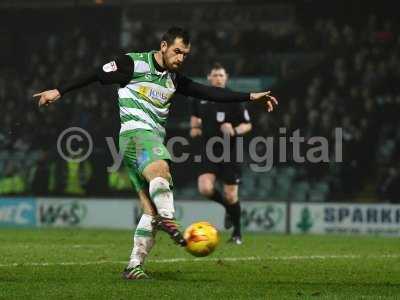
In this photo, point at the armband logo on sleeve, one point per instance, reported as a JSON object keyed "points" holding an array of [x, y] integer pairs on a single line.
{"points": [[110, 67]]}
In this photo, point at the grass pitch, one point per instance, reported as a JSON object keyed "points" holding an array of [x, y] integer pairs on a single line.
{"points": [[86, 264]]}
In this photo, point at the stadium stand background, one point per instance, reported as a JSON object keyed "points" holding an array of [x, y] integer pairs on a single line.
{"points": [[330, 66]]}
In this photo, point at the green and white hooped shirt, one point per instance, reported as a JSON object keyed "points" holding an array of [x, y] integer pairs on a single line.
{"points": [[144, 102]]}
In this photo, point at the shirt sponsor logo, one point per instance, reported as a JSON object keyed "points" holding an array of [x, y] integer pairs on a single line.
{"points": [[153, 93], [158, 95], [110, 67], [144, 90]]}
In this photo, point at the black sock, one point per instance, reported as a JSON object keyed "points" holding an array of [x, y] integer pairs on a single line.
{"points": [[235, 212], [217, 197]]}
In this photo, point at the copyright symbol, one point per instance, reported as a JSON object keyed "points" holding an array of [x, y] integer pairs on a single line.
{"points": [[70, 144]]}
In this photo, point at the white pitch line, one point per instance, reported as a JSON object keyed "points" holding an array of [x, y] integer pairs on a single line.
{"points": [[211, 259]]}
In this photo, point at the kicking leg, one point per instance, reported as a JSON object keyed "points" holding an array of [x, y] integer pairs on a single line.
{"points": [[158, 176], [144, 155]]}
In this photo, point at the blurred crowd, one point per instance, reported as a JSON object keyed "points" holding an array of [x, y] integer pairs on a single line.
{"points": [[330, 74], [249, 39], [356, 89], [29, 161]]}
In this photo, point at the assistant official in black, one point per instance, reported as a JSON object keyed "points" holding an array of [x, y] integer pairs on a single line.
{"points": [[213, 119]]}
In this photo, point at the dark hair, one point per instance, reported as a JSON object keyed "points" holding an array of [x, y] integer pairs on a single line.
{"points": [[217, 66], [176, 32]]}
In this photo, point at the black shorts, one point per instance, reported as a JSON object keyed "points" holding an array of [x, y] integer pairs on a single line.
{"points": [[228, 172]]}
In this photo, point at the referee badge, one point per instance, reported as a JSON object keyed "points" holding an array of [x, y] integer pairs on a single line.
{"points": [[220, 116], [246, 115]]}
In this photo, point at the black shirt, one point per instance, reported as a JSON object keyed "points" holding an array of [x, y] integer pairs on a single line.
{"points": [[213, 115]]}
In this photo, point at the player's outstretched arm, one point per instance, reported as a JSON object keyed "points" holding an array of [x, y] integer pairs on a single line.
{"points": [[266, 98], [117, 71], [47, 97], [190, 88]]}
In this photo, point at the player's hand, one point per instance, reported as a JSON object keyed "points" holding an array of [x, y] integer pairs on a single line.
{"points": [[265, 97], [227, 128], [194, 132], [47, 97]]}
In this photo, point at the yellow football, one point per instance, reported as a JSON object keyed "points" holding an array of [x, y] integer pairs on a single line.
{"points": [[202, 238]]}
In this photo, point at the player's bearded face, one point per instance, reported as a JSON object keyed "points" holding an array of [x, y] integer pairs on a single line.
{"points": [[175, 54]]}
